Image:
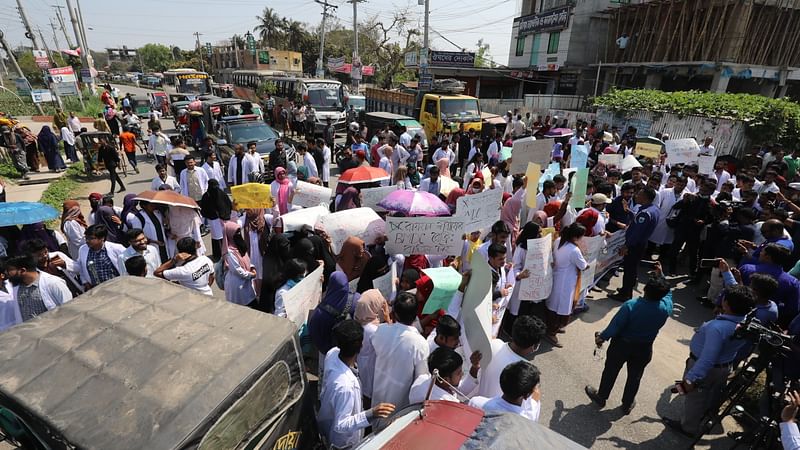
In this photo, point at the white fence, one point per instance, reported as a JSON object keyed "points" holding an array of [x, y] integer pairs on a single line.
{"points": [[535, 104]]}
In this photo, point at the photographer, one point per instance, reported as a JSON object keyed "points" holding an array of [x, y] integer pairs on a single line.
{"points": [[790, 435], [711, 359], [727, 233], [694, 212]]}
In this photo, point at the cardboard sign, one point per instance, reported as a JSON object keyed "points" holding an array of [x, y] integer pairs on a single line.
{"points": [[648, 150], [538, 261], [309, 195], [445, 283], [371, 196], [425, 235], [303, 297], [363, 223], [387, 283], [533, 173], [295, 220], [613, 159], [681, 151], [579, 156], [705, 164], [476, 310], [578, 188], [251, 195], [629, 163], [609, 253], [479, 210], [527, 150]]}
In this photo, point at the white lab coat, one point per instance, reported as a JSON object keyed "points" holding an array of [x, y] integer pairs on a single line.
{"points": [[247, 168], [54, 292], [74, 232], [311, 164], [326, 164], [171, 181], [341, 417], [401, 356], [255, 161], [114, 251], [420, 389], [202, 178], [9, 308], [215, 173], [366, 360], [662, 234], [530, 408], [568, 261]]}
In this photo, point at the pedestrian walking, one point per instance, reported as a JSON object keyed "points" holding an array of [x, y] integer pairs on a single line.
{"points": [[17, 149], [68, 137], [110, 157], [128, 142]]}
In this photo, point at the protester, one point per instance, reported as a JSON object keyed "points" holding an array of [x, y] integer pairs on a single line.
{"points": [[139, 246], [193, 180], [568, 264], [98, 259], [239, 272], [108, 154], [519, 382], [164, 181], [35, 292], [189, 269], [73, 225], [48, 145]]}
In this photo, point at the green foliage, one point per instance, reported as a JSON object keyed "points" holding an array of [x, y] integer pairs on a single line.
{"points": [[7, 170], [11, 104], [63, 188], [267, 87], [28, 65], [482, 57], [767, 119], [155, 57]]}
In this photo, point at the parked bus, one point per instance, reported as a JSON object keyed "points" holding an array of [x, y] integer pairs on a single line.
{"points": [[188, 81]]}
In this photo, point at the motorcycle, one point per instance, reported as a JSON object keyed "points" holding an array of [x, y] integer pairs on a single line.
{"points": [[338, 152]]}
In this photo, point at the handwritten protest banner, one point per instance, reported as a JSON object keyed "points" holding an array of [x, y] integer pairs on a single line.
{"points": [[588, 276], [705, 164], [387, 283], [527, 150], [681, 151], [363, 223], [303, 297], [295, 220], [445, 283], [309, 195], [476, 309], [251, 195], [578, 156], [629, 163], [425, 235], [479, 210], [648, 150], [613, 159], [538, 261], [532, 174], [578, 188], [609, 254], [591, 247], [552, 170], [371, 196]]}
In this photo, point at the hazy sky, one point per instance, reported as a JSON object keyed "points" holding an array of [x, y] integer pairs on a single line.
{"points": [[172, 22]]}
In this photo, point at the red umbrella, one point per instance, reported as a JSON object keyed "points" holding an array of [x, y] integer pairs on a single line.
{"points": [[363, 174], [167, 197]]}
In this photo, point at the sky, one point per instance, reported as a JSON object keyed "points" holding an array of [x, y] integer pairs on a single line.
{"points": [[173, 22]]}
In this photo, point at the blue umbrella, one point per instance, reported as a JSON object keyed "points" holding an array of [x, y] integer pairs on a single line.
{"points": [[23, 213]]}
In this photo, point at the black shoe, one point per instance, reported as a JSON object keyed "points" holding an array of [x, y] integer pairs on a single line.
{"points": [[675, 425], [594, 396], [121, 190], [619, 296], [626, 409]]}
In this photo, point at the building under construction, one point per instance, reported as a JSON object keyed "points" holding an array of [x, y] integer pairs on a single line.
{"points": [[720, 45]]}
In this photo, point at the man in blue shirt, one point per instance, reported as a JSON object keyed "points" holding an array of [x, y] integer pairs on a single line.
{"points": [[632, 332], [770, 262], [712, 353], [636, 237]]}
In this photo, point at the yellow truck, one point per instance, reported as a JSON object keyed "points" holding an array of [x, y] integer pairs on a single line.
{"points": [[436, 111]]}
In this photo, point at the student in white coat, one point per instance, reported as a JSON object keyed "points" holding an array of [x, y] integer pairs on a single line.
{"points": [[163, 180], [663, 235], [520, 384], [239, 167], [451, 383], [194, 180], [502, 285], [325, 176], [568, 264], [256, 162], [98, 259], [214, 170], [33, 292], [341, 418], [73, 225]]}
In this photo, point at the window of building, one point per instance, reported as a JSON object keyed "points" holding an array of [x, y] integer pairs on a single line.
{"points": [[520, 45], [552, 45], [536, 50]]}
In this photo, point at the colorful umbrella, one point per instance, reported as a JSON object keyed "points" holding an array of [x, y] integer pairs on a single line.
{"points": [[413, 203], [23, 213], [167, 197], [363, 174], [559, 132]]}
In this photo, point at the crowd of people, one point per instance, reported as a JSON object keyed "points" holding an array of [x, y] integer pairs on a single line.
{"points": [[732, 229]]}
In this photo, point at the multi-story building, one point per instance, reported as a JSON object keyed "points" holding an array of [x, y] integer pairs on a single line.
{"points": [[225, 59]]}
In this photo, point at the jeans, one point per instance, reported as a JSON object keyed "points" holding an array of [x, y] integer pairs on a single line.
{"points": [[114, 177], [631, 267], [69, 150], [131, 158], [636, 355]]}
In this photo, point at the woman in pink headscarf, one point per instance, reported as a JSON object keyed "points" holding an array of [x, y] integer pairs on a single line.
{"points": [[282, 191], [444, 167], [239, 272], [510, 214], [452, 199]]}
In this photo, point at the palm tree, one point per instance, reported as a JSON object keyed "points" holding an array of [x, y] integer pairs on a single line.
{"points": [[238, 41], [269, 27], [294, 32]]}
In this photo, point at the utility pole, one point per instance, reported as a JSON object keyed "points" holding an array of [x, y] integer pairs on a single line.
{"points": [[423, 57], [198, 47], [89, 58], [60, 18], [45, 75], [28, 31], [14, 63], [321, 60], [356, 66], [55, 34], [85, 57]]}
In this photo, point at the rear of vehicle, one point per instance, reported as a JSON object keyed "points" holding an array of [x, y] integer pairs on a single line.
{"points": [[197, 83]]}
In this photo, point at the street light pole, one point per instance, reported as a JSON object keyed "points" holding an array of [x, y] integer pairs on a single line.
{"points": [[355, 71], [60, 18], [28, 31], [321, 60], [199, 51]]}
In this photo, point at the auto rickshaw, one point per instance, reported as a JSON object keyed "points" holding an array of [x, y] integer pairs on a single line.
{"points": [[160, 102], [89, 145], [142, 363], [140, 106]]}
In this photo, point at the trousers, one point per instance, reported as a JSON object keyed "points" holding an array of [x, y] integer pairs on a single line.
{"points": [[114, 176], [636, 355], [706, 395], [630, 265]]}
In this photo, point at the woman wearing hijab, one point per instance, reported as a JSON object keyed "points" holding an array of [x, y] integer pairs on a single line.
{"points": [[73, 225], [215, 206], [253, 225], [540, 218], [302, 173], [352, 258], [371, 310], [516, 307], [477, 185], [452, 199], [48, 145], [239, 273], [475, 166], [350, 199], [277, 252], [568, 262], [282, 190], [106, 215], [294, 272], [37, 230], [376, 266], [588, 218], [31, 149], [509, 213], [413, 175], [444, 167], [337, 305], [131, 216]]}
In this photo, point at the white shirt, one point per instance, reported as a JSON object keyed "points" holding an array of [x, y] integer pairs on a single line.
{"points": [[498, 404], [214, 172], [171, 181], [238, 282], [405, 139], [494, 150], [386, 164], [150, 254], [311, 164], [202, 179], [722, 178], [67, 136], [74, 124], [707, 150], [256, 163], [341, 418], [401, 356], [247, 167], [622, 42], [420, 389], [366, 360], [326, 164], [193, 274], [74, 233], [443, 153], [158, 144], [790, 436], [502, 355]]}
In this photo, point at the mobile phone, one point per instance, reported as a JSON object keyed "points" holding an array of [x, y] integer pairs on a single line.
{"points": [[709, 263]]}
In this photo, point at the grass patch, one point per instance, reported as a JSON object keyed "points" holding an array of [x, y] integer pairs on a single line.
{"points": [[64, 188], [12, 105], [8, 171]]}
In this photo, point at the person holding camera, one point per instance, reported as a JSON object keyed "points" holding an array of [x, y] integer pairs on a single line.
{"points": [[790, 435], [712, 354]]}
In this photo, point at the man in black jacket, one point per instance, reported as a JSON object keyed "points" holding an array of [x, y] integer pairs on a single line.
{"points": [[694, 213]]}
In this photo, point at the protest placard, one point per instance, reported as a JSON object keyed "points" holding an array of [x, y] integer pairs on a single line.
{"points": [[476, 310], [588, 276], [363, 223], [613, 159], [705, 164], [387, 283], [609, 254], [578, 156], [309, 195], [303, 297], [251, 195], [648, 150], [425, 235], [527, 150], [538, 262], [533, 173], [591, 247], [371, 196], [629, 163], [479, 210], [295, 220], [445, 283], [578, 188], [681, 151]]}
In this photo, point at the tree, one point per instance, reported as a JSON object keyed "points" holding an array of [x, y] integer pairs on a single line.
{"points": [[294, 34], [482, 57], [155, 57], [269, 27], [28, 65], [238, 41]]}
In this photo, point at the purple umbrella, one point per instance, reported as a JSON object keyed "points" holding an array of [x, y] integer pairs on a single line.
{"points": [[413, 203], [559, 132]]}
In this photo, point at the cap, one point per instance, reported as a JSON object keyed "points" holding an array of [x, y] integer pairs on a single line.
{"points": [[95, 196], [598, 199], [361, 154]]}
